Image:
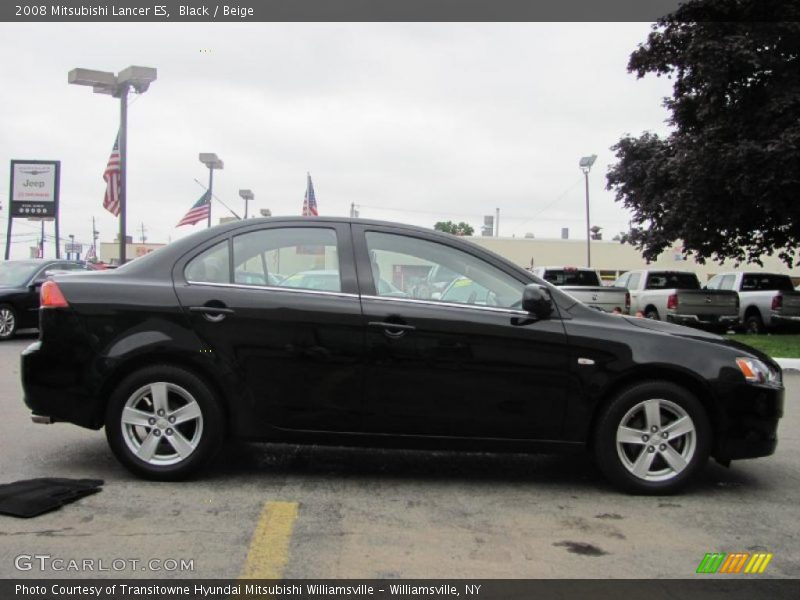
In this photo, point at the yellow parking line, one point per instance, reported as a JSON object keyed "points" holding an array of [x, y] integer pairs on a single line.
{"points": [[269, 547]]}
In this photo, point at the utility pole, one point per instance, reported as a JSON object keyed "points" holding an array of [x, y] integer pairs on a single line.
{"points": [[497, 222], [95, 236], [142, 230]]}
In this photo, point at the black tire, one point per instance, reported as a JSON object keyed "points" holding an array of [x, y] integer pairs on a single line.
{"points": [[617, 461], [164, 433], [8, 322], [753, 324], [651, 313]]}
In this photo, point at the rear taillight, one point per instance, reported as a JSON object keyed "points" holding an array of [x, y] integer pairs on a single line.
{"points": [[777, 302], [50, 296], [627, 301], [672, 302]]}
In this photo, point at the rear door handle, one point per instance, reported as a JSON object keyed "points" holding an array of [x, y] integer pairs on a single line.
{"points": [[392, 330], [214, 314]]}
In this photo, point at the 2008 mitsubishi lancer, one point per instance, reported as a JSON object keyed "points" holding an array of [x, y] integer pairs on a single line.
{"points": [[233, 333]]}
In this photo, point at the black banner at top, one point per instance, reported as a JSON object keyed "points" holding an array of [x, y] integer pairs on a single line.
{"points": [[333, 10]]}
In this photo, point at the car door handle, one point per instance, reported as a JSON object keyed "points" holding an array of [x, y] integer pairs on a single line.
{"points": [[392, 330], [214, 314]]}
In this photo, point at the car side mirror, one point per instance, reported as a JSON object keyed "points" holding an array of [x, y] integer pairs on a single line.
{"points": [[536, 300]]}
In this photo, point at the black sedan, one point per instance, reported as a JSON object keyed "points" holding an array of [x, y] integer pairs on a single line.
{"points": [[20, 281], [180, 349]]}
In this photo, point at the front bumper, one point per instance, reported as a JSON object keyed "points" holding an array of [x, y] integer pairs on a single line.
{"points": [[750, 423]]}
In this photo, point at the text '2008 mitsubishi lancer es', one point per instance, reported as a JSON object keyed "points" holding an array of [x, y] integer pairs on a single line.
{"points": [[322, 331]]}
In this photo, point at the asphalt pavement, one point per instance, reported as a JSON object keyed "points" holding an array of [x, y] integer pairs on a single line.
{"points": [[312, 512]]}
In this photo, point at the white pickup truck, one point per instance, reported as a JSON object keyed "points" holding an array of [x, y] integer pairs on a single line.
{"points": [[676, 296], [766, 300], [584, 284]]}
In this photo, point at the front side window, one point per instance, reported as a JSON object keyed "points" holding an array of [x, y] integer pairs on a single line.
{"points": [[410, 267], [210, 266], [292, 257]]}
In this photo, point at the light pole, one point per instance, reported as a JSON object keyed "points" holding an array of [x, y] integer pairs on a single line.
{"points": [[246, 195], [104, 82], [586, 165], [212, 161]]}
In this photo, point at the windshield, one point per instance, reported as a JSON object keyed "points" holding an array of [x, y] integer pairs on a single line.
{"points": [[571, 277], [17, 273]]}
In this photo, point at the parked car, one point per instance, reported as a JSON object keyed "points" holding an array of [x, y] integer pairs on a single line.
{"points": [[19, 291], [676, 297], [172, 357], [585, 285], [766, 300]]}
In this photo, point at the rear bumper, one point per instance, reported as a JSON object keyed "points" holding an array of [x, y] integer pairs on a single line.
{"points": [[704, 320], [52, 388], [750, 429], [785, 321]]}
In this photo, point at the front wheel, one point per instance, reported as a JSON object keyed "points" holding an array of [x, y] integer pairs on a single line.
{"points": [[8, 322], [163, 423], [653, 438]]}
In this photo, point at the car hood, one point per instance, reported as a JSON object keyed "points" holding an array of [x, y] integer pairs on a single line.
{"points": [[698, 334]]}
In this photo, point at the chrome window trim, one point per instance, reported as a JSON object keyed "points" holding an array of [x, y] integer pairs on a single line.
{"points": [[273, 288], [449, 304]]}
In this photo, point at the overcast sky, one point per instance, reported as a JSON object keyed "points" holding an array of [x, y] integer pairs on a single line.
{"points": [[412, 122]]}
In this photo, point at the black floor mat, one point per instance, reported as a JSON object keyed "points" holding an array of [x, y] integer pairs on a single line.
{"points": [[32, 497]]}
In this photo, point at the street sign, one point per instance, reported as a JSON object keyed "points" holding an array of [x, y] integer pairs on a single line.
{"points": [[34, 188], [73, 248]]}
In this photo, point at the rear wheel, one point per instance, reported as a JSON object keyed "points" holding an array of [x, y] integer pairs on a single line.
{"points": [[163, 423], [8, 322], [653, 438], [651, 313], [753, 324]]}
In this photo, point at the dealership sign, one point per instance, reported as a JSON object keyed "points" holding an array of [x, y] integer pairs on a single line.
{"points": [[34, 188]]}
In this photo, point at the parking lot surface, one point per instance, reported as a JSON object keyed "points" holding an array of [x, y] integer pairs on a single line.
{"points": [[312, 512]]}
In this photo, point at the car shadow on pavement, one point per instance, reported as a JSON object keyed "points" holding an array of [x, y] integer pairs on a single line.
{"points": [[574, 471]]}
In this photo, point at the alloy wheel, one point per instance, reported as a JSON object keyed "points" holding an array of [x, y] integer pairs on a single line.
{"points": [[656, 440], [7, 322], [162, 424]]}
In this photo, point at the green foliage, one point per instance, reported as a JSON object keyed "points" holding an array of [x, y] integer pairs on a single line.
{"points": [[461, 228], [726, 180]]}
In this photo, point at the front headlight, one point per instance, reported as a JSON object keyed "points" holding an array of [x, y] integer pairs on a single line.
{"points": [[755, 371]]}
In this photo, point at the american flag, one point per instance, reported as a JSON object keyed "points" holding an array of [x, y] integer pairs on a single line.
{"points": [[111, 175], [198, 212], [310, 201]]}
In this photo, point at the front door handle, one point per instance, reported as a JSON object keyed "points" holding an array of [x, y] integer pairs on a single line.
{"points": [[214, 314], [392, 330]]}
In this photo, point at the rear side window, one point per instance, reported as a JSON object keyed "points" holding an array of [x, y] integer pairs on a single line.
{"points": [[633, 282], [210, 266], [727, 282], [292, 257]]}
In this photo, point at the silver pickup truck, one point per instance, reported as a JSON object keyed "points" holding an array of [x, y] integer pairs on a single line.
{"points": [[676, 296], [585, 285], [766, 300]]}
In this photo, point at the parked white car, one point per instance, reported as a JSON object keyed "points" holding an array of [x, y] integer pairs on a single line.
{"points": [[585, 285], [676, 296], [766, 300]]}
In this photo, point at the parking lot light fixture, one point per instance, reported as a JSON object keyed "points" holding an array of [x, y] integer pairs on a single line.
{"points": [[118, 86], [212, 161], [585, 165], [246, 195]]}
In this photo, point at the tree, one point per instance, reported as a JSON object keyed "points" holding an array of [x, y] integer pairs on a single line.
{"points": [[461, 228], [726, 180]]}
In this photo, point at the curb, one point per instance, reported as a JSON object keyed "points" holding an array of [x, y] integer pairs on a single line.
{"points": [[789, 364]]}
